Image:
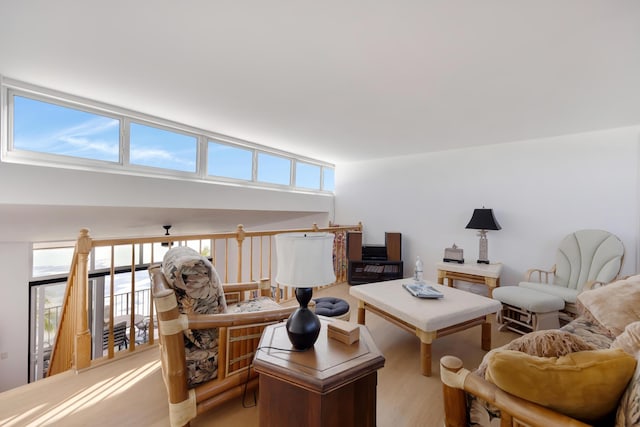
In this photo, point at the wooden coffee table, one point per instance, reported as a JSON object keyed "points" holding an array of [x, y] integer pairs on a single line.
{"points": [[427, 318]]}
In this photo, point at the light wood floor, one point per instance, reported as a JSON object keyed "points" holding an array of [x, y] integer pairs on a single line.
{"points": [[131, 391]]}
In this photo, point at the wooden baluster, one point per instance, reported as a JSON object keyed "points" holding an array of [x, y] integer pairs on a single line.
{"points": [[226, 260], [82, 353], [132, 308], [240, 234]]}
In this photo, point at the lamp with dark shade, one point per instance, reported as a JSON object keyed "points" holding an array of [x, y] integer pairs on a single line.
{"points": [[483, 220], [304, 261]]}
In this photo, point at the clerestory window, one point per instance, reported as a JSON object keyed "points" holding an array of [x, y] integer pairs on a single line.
{"points": [[47, 127]]}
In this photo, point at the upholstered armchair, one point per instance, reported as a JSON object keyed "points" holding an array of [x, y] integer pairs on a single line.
{"points": [[585, 259], [206, 344]]}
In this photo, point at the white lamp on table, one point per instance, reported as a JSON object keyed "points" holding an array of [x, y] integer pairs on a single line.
{"points": [[304, 261]]}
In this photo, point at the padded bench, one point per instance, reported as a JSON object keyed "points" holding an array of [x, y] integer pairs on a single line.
{"points": [[525, 310]]}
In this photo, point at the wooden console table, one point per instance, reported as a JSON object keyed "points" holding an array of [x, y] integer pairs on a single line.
{"points": [[329, 385], [484, 274]]}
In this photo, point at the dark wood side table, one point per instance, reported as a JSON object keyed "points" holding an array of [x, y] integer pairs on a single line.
{"points": [[332, 384]]}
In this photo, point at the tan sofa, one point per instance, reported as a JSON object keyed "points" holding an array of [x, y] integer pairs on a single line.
{"points": [[585, 373]]}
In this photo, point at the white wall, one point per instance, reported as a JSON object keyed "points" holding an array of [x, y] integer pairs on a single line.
{"points": [[46, 203], [14, 315], [540, 190]]}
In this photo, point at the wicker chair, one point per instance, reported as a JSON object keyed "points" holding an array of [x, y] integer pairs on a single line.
{"points": [[238, 337], [515, 412]]}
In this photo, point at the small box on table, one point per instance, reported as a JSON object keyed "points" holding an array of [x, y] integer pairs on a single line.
{"points": [[345, 332]]}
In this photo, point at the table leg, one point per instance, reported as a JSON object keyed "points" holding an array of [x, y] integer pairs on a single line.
{"points": [[361, 312], [491, 283], [486, 334], [441, 276], [426, 338]]}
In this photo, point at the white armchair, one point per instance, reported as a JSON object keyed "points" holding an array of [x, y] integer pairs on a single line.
{"points": [[585, 259]]}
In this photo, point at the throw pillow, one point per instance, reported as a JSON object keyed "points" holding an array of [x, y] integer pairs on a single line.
{"points": [[628, 413], [629, 340], [548, 343], [585, 385], [614, 305], [198, 290]]}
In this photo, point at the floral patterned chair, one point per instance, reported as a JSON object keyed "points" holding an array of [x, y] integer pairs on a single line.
{"points": [[206, 345]]}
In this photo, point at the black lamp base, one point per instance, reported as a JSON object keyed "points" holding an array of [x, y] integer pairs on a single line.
{"points": [[303, 326]]}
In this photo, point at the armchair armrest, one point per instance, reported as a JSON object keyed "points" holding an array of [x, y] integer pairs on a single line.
{"points": [[532, 271], [235, 292], [514, 411], [592, 284], [208, 321]]}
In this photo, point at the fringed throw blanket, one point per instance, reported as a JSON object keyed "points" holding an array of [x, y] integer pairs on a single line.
{"points": [[198, 291]]}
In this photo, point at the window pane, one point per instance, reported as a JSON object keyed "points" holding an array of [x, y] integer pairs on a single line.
{"points": [[307, 176], [122, 293], [231, 162], [51, 261], [274, 169], [328, 179], [150, 146], [121, 253], [54, 129]]}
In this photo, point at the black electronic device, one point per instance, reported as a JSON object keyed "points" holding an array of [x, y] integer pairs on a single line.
{"points": [[374, 252]]}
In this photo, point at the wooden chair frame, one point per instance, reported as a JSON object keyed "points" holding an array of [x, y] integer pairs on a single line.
{"points": [[514, 411], [238, 338]]}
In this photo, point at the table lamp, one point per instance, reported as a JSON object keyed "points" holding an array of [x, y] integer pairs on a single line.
{"points": [[483, 220], [304, 261]]}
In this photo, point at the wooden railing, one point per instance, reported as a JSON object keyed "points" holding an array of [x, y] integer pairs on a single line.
{"points": [[238, 256]]}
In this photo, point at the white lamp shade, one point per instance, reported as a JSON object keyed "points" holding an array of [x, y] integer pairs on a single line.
{"points": [[305, 260]]}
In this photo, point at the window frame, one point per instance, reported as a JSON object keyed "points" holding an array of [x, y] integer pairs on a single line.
{"points": [[9, 154]]}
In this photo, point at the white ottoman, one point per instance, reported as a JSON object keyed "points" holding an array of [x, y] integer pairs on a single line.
{"points": [[525, 310]]}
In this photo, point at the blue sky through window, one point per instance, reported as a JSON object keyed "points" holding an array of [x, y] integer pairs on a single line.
{"points": [[231, 162], [328, 179], [274, 169], [55, 128], [150, 146], [48, 128], [307, 176]]}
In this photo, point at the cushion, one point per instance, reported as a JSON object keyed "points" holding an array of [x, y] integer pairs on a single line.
{"points": [[628, 413], [591, 331], [529, 299], [187, 270], [615, 305], [629, 340], [202, 365], [331, 306], [548, 343], [198, 290], [567, 294], [585, 385], [256, 304]]}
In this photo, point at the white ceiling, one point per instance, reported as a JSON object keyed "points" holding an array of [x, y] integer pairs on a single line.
{"points": [[341, 80]]}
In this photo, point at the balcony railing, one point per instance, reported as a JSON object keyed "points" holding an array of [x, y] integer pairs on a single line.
{"points": [[237, 256]]}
